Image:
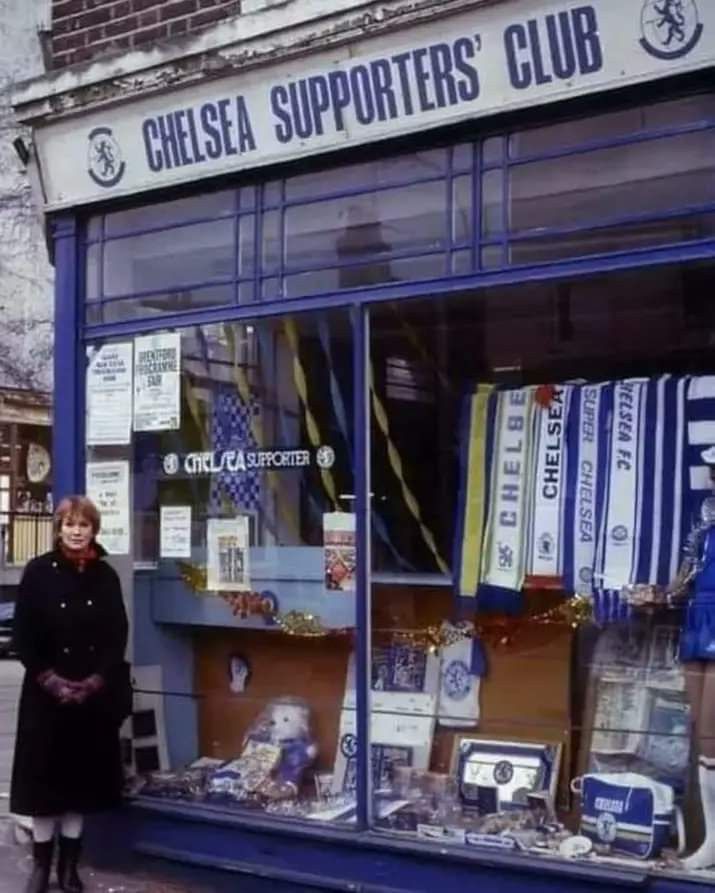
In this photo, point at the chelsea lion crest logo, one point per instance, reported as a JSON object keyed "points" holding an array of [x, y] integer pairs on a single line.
{"points": [[171, 463], [606, 827], [457, 680], [503, 772], [105, 164], [325, 457], [670, 28]]}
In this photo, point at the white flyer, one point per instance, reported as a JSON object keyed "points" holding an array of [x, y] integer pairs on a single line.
{"points": [[227, 547], [108, 488], [109, 395], [157, 382], [175, 531]]}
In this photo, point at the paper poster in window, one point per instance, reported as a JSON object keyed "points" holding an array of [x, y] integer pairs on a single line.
{"points": [[339, 550], [227, 546], [157, 382], [109, 394], [108, 488], [175, 531]]}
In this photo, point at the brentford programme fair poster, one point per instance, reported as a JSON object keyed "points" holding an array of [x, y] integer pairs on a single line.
{"points": [[157, 382]]}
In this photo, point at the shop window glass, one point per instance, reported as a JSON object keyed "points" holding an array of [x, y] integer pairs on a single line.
{"points": [[650, 177], [186, 255], [493, 202], [426, 266], [246, 292], [492, 256], [163, 214], [462, 209], [611, 125], [462, 261], [158, 304], [370, 175], [625, 237], [247, 246], [271, 253], [272, 193], [271, 288], [248, 198], [360, 226], [493, 150], [94, 227], [241, 532], [93, 272], [519, 437], [463, 157]]}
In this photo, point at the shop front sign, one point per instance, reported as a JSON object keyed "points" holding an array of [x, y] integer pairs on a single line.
{"points": [[236, 461], [508, 56]]}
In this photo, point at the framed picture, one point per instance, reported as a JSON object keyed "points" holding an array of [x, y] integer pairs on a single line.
{"points": [[504, 773]]}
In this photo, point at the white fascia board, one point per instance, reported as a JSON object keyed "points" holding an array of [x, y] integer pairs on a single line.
{"points": [[240, 42]]}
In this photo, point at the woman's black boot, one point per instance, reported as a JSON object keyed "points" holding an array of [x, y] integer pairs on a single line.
{"points": [[67, 876], [42, 861]]}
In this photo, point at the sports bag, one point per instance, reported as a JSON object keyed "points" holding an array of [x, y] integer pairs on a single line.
{"points": [[631, 813]]}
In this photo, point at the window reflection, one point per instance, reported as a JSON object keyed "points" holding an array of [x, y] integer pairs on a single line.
{"points": [[650, 177]]}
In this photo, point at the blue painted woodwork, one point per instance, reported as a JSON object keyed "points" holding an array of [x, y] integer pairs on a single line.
{"points": [[296, 856], [68, 427], [172, 648]]}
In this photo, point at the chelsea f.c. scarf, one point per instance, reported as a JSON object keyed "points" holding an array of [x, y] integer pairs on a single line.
{"points": [[548, 489], [588, 427], [504, 556], [475, 435]]}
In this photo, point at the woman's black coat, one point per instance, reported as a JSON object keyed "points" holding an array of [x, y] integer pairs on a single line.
{"points": [[67, 756]]}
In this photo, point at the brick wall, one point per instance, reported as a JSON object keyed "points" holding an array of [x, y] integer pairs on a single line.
{"points": [[85, 29]]}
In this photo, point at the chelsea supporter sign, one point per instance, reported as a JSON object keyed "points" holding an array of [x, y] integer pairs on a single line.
{"points": [[507, 56]]}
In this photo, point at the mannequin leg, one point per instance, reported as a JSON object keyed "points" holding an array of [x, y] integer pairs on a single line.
{"points": [[707, 712], [704, 857]]}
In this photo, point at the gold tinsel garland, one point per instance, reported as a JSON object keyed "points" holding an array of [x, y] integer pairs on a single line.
{"points": [[573, 612]]}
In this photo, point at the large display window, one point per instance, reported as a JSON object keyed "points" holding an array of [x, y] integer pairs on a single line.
{"points": [[543, 455], [233, 500]]}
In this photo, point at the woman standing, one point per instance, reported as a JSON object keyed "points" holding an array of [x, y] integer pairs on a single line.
{"points": [[70, 634]]}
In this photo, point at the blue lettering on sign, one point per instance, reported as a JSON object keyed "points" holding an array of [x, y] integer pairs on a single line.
{"points": [[190, 136], [436, 76], [557, 46], [419, 80]]}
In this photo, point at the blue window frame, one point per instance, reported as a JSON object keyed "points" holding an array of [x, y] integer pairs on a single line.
{"points": [[629, 180]]}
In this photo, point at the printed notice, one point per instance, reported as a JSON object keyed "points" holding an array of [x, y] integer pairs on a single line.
{"points": [[157, 382], [109, 395], [108, 488], [228, 554], [175, 531], [339, 550]]}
